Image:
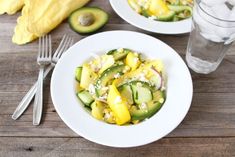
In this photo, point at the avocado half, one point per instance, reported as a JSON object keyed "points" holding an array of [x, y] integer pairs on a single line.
{"points": [[88, 20]]}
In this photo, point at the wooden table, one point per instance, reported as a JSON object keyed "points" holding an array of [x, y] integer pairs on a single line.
{"points": [[207, 130]]}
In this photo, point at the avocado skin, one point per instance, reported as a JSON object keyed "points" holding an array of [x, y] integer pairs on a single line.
{"points": [[91, 31]]}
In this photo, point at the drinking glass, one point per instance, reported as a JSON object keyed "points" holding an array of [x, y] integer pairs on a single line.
{"points": [[213, 31]]}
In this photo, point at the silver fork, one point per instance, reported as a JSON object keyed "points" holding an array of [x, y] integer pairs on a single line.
{"points": [[44, 58], [65, 43]]}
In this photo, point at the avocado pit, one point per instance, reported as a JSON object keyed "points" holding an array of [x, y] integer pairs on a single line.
{"points": [[86, 19]]}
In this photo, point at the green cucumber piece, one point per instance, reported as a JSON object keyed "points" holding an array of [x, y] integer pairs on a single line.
{"points": [[152, 107], [180, 8], [173, 2], [126, 92], [141, 92], [107, 76], [166, 17], [78, 73], [85, 97], [145, 13], [117, 55]]}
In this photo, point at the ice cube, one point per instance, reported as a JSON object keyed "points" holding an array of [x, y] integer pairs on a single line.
{"points": [[211, 28], [212, 37], [202, 21], [232, 15], [221, 11], [206, 8], [226, 29], [232, 2], [206, 14], [213, 2]]}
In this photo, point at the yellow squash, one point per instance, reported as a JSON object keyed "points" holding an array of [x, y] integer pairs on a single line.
{"points": [[158, 7], [132, 60], [22, 35], [87, 77], [118, 106], [45, 15], [97, 110], [41, 16], [10, 6]]}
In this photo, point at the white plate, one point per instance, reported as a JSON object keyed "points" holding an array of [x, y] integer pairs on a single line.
{"points": [[72, 112], [123, 9]]}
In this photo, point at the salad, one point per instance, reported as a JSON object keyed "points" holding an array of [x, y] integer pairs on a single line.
{"points": [[120, 87], [163, 10]]}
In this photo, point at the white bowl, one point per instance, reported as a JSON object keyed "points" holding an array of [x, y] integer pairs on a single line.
{"points": [[72, 112], [122, 8]]}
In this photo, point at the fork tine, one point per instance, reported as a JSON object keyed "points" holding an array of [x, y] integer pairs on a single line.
{"points": [[71, 43], [50, 49], [46, 47], [43, 47], [60, 45], [40, 46], [65, 47]]}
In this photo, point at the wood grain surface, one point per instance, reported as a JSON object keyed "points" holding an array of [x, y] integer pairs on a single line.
{"points": [[208, 129]]}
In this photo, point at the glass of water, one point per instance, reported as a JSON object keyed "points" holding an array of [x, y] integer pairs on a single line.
{"points": [[213, 31]]}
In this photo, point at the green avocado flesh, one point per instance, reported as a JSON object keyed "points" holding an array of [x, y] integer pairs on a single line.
{"points": [[97, 18]]}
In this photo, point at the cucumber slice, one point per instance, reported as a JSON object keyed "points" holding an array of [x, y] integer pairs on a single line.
{"points": [[85, 97], [141, 93], [119, 53], [180, 8], [145, 13], [107, 76], [166, 17], [78, 73], [126, 92], [152, 107], [173, 2]]}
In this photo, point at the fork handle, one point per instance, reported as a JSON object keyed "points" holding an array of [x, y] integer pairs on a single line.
{"points": [[29, 96], [38, 101]]}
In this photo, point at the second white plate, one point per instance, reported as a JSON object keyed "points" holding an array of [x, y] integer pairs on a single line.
{"points": [[122, 8]]}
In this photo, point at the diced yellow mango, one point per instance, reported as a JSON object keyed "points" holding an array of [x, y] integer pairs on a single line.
{"points": [[109, 116], [118, 106], [158, 7], [157, 64], [87, 77], [97, 110], [78, 88], [132, 60]]}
